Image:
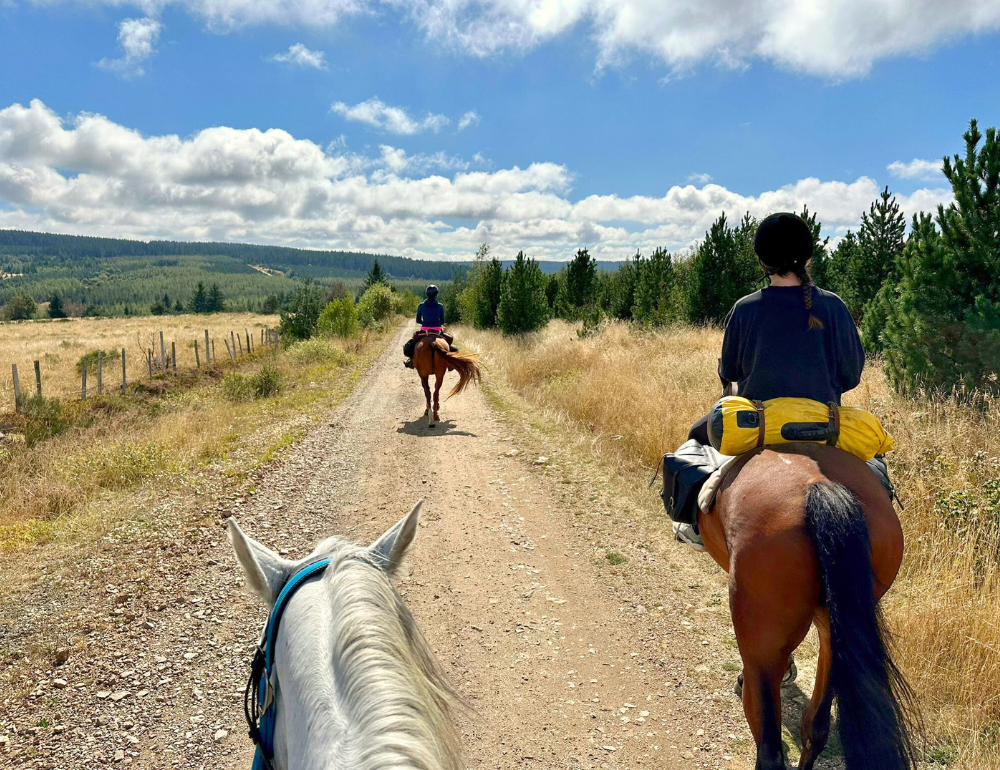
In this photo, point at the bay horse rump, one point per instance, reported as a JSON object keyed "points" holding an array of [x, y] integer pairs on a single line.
{"points": [[809, 537]]}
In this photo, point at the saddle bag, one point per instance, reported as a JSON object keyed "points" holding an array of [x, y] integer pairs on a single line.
{"points": [[737, 425], [684, 473]]}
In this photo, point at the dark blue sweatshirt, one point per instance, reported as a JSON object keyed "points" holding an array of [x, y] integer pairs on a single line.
{"points": [[771, 352], [430, 312]]}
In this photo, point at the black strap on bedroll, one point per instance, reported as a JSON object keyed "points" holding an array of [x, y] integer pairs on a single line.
{"points": [[761, 434], [834, 435]]}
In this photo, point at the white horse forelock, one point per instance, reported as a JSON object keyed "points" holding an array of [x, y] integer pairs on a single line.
{"points": [[358, 687]]}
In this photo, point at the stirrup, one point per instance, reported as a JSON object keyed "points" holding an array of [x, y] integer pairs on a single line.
{"points": [[408, 363]]}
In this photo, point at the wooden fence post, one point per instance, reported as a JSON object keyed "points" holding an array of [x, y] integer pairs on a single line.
{"points": [[100, 372], [232, 341], [83, 383], [232, 356], [173, 355], [214, 359], [38, 378], [262, 337], [17, 388], [163, 354], [197, 358], [208, 348], [249, 347], [240, 340], [124, 380]]}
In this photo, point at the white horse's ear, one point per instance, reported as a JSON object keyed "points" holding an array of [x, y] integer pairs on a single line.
{"points": [[266, 571], [391, 548]]}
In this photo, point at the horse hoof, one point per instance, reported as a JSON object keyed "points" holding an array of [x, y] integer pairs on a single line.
{"points": [[738, 689], [791, 674]]}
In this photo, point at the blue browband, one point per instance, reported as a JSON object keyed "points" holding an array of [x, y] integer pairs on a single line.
{"points": [[260, 710]]}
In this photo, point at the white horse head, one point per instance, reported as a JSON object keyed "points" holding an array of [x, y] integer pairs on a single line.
{"points": [[358, 687]]}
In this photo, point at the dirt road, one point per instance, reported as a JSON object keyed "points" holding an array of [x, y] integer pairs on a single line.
{"points": [[568, 660]]}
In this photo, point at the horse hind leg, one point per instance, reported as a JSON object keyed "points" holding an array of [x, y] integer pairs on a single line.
{"points": [[438, 381], [427, 394], [816, 717]]}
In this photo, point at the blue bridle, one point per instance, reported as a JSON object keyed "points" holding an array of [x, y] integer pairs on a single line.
{"points": [[260, 711]]}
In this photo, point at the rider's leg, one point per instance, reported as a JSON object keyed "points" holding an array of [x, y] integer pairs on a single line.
{"points": [[699, 431]]}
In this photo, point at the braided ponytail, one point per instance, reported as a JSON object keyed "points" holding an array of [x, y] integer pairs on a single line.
{"points": [[803, 274]]}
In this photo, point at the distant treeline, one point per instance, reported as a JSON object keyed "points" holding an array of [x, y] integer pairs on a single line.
{"points": [[338, 264]]}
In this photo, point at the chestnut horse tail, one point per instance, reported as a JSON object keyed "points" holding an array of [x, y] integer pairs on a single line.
{"points": [[466, 365], [876, 705]]}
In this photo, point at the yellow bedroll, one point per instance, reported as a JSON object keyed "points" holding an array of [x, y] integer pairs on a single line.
{"points": [[737, 425]]}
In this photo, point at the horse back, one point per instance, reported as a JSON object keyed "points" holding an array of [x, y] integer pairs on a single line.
{"points": [[760, 513]]}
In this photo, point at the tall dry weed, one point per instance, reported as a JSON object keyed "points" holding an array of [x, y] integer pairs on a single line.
{"points": [[634, 396]]}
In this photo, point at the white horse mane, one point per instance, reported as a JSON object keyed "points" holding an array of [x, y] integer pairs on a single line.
{"points": [[382, 701]]}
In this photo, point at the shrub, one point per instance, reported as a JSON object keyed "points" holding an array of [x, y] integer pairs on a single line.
{"points": [[20, 307], [375, 305], [44, 419], [299, 319], [267, 382], [240, 387], [339, 319], [89, 360], [237, 387]]}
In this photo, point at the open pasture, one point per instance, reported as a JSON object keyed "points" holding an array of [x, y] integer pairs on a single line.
{"points": [[59, 346]]}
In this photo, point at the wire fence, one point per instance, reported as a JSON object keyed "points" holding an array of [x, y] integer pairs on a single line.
{"points": [[112, 372]]}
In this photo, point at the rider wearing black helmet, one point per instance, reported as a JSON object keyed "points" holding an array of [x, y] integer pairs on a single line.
{"points": [[430, 316]]}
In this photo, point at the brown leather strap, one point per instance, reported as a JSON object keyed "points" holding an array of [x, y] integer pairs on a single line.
{"points": [[834, 424], [759, 406]]}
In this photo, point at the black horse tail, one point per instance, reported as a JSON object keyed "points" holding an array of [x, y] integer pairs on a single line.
{"points": [[876, 705]]}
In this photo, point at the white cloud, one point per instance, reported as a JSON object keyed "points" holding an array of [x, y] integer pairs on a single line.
{"points": [[699, 178], [916, 169], [137, 38], [471, 118], [830, 38], [393, 120], [92, 176], [301, 56]]}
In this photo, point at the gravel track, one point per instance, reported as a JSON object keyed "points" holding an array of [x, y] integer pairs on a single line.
{"points": [[566, 660]]}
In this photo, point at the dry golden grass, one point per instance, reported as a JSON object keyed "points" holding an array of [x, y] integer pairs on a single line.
{"points": [[59, 345], [161, 433], [634, 395]]}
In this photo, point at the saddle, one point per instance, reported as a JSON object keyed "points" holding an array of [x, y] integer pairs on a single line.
{"points": [[693, 475], [421, 333]]}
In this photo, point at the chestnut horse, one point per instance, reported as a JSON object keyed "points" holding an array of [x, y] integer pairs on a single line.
{"points": [[433, 355], [809, 536]]}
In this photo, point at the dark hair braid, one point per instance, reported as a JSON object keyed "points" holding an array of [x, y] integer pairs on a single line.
{"points": [[802, 273]]}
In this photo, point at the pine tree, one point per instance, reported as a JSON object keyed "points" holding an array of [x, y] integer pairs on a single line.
{"points": [[654, 299], [199, 300], [943, 330], [866, 262], [56, 309], [481, 299], [723, 269], [216, 302], [523, 305], [618, 296], [375, 275], [581, 273]]}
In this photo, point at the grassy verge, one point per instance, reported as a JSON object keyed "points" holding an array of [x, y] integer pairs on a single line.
{"points": [[627, 397], [107, 454]]}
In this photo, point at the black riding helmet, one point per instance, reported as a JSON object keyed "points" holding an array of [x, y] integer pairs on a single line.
{"points": [[783, 243], [432, 291]]}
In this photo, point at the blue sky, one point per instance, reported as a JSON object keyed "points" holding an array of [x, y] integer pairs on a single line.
{"points": [[613, 129]]}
